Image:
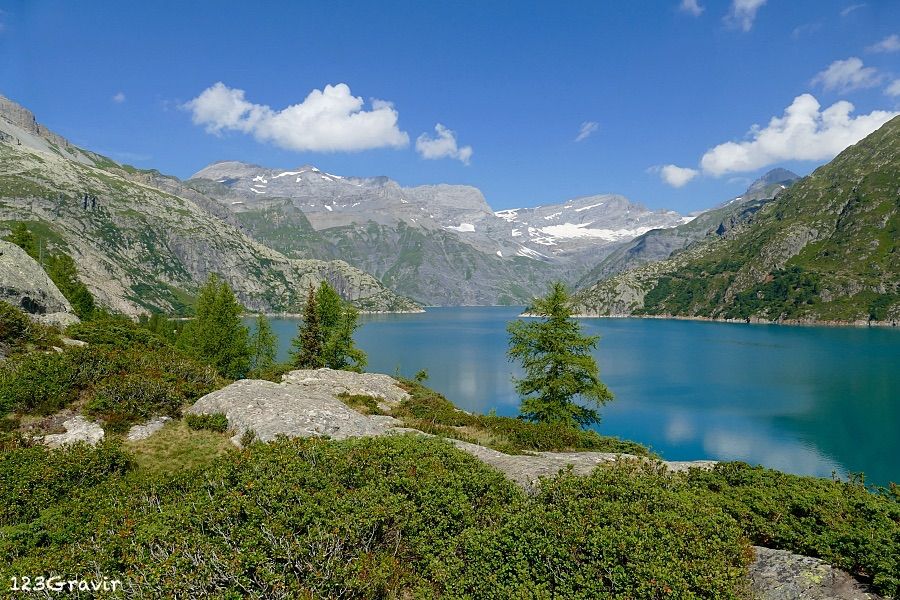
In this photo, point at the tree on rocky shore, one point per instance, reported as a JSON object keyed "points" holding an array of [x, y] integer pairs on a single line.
{"points": [[307, 346], [558, 364], [216, 335], [325, 335], [263, 344]]}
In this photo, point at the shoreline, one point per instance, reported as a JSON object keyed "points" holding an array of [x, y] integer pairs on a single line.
{"points": [[860, 323]]}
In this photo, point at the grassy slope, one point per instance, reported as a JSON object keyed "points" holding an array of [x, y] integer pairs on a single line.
{"points": [[826, 249]]}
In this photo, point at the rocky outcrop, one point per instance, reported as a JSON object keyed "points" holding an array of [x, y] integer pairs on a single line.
{"points": [[78, 429], [781, 575], [305, 404], [145, 430], [23, 283]]}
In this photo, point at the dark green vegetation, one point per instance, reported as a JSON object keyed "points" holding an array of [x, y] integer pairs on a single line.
{"points": [[19, 334], [216, 335], [825, 249], [558, 363], [413, 517], [325, 335], [60, 267], [214, 422], [428, 411], [121, 380]]}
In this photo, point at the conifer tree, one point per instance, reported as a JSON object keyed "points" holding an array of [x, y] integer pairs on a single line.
{"points": [[216, 335], [22, 237], [558, 364], [338, 320], [263, 344], [307, 346]]}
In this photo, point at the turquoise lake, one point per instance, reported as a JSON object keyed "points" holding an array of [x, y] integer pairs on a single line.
{"points": [[807, 400]]}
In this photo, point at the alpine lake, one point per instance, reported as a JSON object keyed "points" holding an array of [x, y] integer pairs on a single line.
{"points": [[806, 400]]}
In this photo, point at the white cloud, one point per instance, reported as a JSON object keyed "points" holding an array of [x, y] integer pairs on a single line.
{"points": [[889, 44], [119, 98], [443, 145], [692, 7], [587, 129], [743, 13], [805, 29], [893, 89], [329, 120], [852, 8], [676, 176], [847, 75], [804, 132]]}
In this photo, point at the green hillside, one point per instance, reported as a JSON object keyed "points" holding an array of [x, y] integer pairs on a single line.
{"points": [[826, 249]]}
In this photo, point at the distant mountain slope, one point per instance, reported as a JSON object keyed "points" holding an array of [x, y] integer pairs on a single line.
{"points": [[659, 244], [825, 249], [143, 241], [439, 244]]}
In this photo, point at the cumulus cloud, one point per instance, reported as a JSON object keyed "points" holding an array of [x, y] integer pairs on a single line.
{"points": [[889, 44], [893, 89], [743, 13], [443, 145], [119, 98], [691, 7], [587, 129], [676, 176], [804, 132], [328, 120], [847, 75], [849, 9]]}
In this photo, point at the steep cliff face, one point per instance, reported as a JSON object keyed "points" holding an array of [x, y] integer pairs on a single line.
{"points": [[825, 249], [141, 246]]}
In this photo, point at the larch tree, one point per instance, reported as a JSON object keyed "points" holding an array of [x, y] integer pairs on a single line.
{"points": [[558, 364]]}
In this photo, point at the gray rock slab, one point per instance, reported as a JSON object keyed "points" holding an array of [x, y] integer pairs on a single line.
{"points": [[294, 410], [78, 429], [334, 382], [782, 575], [24, 283], [142, 432]]}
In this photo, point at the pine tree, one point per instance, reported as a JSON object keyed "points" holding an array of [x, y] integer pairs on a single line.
{"points": [[216, 334], [307, 346], [263, 344], [22, 237], [338, 320], [62, 271], [558, 364]]}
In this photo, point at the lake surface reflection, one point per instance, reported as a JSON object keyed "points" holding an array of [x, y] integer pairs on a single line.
{"points": [[807, 400]]}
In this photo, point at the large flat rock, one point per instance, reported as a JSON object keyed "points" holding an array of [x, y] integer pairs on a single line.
{"points": [[78, 429], [782, 575]]}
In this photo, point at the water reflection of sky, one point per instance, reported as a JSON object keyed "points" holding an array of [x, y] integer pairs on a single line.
{"points": [[804, 400]]}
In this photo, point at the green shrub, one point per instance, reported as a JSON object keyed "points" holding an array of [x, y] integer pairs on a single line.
{"points": [[40, 383], [622, 532], [120, 386], [115, 331], [122, 400], [213, 422], [35, 478], [433, 413], [843, 523], [18, 333], [367, 405]]}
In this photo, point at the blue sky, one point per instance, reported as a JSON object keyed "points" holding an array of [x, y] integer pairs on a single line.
{"points": [[651, 83]]}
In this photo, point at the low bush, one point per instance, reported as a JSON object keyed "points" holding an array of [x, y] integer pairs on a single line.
{"points": [[623, 532], [120, 386], [373, 518], [841, 522], [18, 333], [35, 478], [368, 405], [115, 331], [41, 383], [214, 422], [433, 413]]}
